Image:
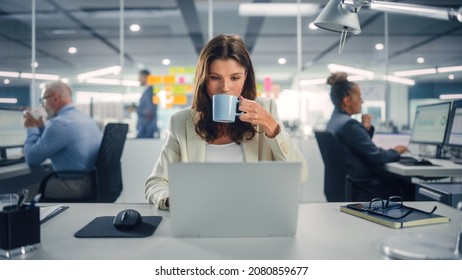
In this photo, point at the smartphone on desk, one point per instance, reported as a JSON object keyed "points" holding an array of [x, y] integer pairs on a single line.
{"points": [[367, 206], [358, 206]]}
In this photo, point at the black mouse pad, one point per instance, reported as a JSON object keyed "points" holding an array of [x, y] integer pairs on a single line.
{"points": [[103, 227]]}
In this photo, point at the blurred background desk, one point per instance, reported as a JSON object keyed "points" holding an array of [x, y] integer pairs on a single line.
{"points": [[324, 233], [17, 176], [441, 168], [449, 193]]}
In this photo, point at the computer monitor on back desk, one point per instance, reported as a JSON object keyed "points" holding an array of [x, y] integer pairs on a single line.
{"points": [[454, 132], [430, 124], [12, 131]]}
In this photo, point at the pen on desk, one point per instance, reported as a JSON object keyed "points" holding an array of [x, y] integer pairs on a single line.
{"points": [[35, 200], [22, 197]]}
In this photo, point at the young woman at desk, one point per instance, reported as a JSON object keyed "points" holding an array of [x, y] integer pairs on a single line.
{"points": [[256, 135], [364, 160]]}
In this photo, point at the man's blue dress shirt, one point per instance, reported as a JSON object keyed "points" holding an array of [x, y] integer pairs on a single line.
{"points": [[71, 140]]}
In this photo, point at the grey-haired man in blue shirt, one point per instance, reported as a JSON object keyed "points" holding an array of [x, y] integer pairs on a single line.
{"points": [[70, 138]]}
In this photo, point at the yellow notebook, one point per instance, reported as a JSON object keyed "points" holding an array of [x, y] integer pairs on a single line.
{"points": [[412, 216]]}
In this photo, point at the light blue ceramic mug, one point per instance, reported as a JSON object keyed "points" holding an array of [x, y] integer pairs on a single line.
{"points": [[224, 108]]}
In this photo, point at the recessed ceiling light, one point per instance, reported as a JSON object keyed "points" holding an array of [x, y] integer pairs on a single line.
{"points": [[451, 77], [282, 60], [166, 61], [6, 81], [379, 46], [135, 27], [72, 50], [312, 26], [34, 64], [420, 60]]}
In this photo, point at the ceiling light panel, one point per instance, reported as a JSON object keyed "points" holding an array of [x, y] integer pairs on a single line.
{"points": [[449, 69], [416, 72], [277, 9], [352, 70]]}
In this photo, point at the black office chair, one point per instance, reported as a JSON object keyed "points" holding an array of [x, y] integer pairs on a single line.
{"points": [[106, 177], [338, 187]]}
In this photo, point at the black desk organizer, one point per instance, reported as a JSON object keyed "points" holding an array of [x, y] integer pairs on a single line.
{"points": [[19, 231]]}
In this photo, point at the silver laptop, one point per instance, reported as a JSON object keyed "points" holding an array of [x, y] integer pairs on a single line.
{"points": [[257, 199]]}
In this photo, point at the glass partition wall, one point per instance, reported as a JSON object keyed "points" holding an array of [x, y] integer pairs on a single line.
{"points": [[98, 47]]}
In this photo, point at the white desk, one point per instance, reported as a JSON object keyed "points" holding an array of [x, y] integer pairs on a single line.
{"points": [[17, 176], [14, 170], [324, 233], [442, 168]]}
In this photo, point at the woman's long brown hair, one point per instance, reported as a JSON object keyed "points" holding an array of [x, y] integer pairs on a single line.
{"points": [[222, 47]]}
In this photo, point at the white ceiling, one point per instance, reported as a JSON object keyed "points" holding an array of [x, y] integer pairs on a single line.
{"points": [[178, 29]]}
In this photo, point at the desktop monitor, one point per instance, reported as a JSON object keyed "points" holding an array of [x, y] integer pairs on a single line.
{"points": [[12, 131], [454, 133], [430, 124]]}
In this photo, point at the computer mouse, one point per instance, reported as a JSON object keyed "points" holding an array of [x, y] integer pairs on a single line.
{"points": [[423, 162], [127, 219]]}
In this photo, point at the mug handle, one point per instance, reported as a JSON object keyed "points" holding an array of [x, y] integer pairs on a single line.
{"points": [[238, 113]]}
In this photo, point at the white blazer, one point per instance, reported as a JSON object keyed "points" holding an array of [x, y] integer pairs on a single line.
{"points": [[183, 144]]}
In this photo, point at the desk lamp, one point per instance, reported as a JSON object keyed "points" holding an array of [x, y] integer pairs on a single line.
{"points": [[342, 15]]}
